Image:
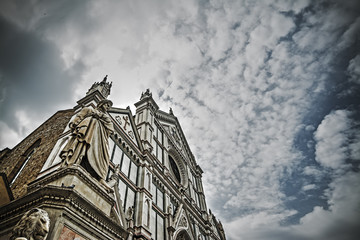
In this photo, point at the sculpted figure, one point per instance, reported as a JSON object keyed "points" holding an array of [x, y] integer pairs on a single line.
{"points": [[170, 210], [34, 225], [89, 141], [130, 213], [220, 226], [129, 217], [114, 177]]}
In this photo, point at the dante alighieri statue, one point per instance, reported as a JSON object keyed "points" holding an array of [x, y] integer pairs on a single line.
{"points": [[89, 141]]}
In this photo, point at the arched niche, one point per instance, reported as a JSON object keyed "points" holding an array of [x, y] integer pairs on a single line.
{"points": [[182, 235]]}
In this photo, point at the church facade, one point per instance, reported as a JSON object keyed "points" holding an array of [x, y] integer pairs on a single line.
{"points": [[152, 188]]}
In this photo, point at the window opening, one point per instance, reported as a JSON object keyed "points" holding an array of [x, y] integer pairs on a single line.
{"points": [[22, 166], [127, 194], [157, 226], [127, 166], [175, 169], [158, 196], [27, 155]]}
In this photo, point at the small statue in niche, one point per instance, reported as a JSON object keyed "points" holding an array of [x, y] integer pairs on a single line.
{"points": [[129, 217], [89, 141], [33, 225], [114, 178], [170, 210], [130, 213]]}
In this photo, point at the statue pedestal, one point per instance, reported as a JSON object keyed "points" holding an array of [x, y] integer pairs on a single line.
{"points": [[78, 205], [80, 181]]}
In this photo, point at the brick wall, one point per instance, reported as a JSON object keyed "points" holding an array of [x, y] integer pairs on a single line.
{"points": [[11, 162]]}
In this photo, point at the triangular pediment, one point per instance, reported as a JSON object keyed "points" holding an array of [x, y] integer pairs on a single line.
{"points": [[182, 222], [173, 130], [213, 226], [174, 134], [124, 124]]}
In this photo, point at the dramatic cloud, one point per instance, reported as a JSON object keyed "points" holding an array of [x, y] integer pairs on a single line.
{"points": [[266, 93], [332, 142], [354, 69], [33, 77]]}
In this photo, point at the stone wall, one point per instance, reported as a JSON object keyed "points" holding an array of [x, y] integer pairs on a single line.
{"points": [[11, 162]]}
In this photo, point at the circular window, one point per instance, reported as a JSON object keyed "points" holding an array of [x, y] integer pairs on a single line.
{"points": [[175, 169]]}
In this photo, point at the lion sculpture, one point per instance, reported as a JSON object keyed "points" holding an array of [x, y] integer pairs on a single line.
{"points": [[34, 225]]}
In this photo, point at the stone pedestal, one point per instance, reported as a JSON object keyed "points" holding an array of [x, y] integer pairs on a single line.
{"points": [[78, 206], [76, 178]]}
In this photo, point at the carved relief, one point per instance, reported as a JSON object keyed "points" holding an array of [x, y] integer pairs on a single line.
{"points": [[183, 222], [176, 137], [124, 123], [118, 119], [131, 134]]}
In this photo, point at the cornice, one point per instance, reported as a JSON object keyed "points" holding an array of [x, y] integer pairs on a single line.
{"points": [[165, 116], [139, 148], [150, 101], [67, 199], [95, 95], [72, 170]]}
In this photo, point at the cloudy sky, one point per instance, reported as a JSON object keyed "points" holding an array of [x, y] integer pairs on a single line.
{"points": [[267, 93]]}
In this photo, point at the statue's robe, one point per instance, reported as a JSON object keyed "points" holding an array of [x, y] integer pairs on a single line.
{"points": [[90, 139]]}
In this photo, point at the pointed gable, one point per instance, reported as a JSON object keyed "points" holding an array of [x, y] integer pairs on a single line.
{"points": [[175, 134], [182, 223], [124, 123]]}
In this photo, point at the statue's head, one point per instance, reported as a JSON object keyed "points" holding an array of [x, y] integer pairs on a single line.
{"points": [[34, 225], [104, 104]]}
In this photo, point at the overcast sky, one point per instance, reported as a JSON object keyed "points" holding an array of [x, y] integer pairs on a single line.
{"points": [[267, 93]]}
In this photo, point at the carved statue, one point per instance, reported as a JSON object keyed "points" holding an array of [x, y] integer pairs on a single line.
{"points": [[89, 141], [130, 213], [220, 227], [170, 209], [209, 215], [114, 178], [34, 225]]}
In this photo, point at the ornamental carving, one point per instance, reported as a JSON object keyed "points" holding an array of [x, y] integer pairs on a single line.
{"points": [[124, 122], [183, 222], [176, 137], [33, 225]]}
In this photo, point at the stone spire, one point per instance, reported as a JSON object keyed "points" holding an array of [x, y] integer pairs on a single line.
{"points": [[146, 94], [103, 87], [146, 97]]}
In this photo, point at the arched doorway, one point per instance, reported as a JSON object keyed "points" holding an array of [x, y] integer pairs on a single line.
{"points": [[183, 235]]}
